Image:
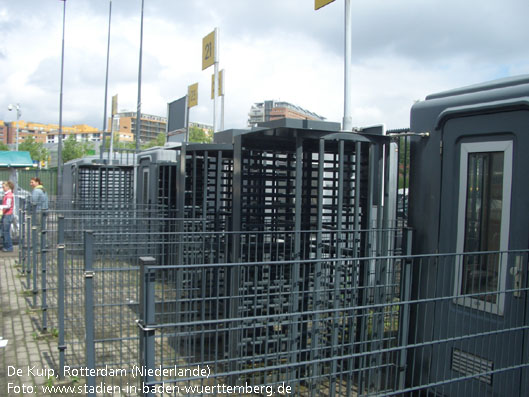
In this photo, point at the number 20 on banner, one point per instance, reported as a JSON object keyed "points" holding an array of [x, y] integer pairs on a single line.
{"points": [[208, 50]]}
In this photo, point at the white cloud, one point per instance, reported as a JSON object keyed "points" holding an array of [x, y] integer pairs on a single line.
{"points": [[277, 49]]}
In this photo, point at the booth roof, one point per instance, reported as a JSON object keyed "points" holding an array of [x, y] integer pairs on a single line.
{"points": [[15, 159]]}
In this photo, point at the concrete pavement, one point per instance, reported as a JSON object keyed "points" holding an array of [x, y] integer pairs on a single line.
{"points": [[30, 354]]}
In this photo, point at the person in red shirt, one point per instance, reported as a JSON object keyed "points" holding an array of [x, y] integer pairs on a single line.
{"points": [[8, 205]]}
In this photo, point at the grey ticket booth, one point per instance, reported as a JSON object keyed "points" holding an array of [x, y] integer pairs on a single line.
{"points": [[469, 193]]}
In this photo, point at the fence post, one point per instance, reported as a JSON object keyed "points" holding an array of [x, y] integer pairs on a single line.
{"points": [[60, 292], [43, 250], [21, 233], [315, 353], [89, 306], [146, 320], [28, 250], [296, 282], [35, 246], [404, 320], [338, 266]]}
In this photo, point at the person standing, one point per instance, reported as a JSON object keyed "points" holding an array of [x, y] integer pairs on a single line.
{"points": [[39, 197], [8, 205]]}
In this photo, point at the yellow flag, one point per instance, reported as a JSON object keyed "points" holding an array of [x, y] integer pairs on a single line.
{"points": [[321, 3], [221, 87], [115, 105], [208, 50], [192, 95]]}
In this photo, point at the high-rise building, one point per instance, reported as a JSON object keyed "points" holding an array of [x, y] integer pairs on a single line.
{"points": [[150, 126], [274, 110]]}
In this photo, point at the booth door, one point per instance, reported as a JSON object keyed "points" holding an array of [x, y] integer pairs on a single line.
{"points": [[483, 220]]}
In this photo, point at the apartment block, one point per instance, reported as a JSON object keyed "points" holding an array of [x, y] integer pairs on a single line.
{"points": [[274, 110], [45, 133], [150, 126]]}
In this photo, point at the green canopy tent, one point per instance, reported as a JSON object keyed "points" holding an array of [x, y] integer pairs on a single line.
{"points": [[15, 160], [12, 161]]}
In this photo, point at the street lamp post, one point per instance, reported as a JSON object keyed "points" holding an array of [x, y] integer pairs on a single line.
{"points": [[59, 149], [347, 124], [138, 113], [102, 147], [17, 107]]}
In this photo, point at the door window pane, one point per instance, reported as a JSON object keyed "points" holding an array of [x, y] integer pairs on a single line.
{"points": [[483, 214]]}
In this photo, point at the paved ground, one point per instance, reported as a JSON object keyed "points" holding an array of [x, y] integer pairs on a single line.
{"points": [[29, 353]]}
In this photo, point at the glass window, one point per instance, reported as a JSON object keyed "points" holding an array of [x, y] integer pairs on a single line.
{"points": [[483, 223], [146, 197]]}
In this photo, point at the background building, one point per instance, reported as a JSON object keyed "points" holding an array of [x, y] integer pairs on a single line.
{"points": [[45, 133], [124, 125], [82, 132], [207, 128], [3, 132], [274, 110], [150, 126]]}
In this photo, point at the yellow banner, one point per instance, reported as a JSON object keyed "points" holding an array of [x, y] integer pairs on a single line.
{"points": [[221, 87], [115, 105], [208, 50], [192, 95], [321, 3]]}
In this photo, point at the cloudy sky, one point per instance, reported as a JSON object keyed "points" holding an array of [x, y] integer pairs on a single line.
{"points": [[272, 49]]}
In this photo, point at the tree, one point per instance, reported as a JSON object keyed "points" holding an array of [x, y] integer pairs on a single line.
{"points": [[199, 135], [118, 144], [159, 141], [115, 143], [74, 150], [4, 147], [36, 150]]}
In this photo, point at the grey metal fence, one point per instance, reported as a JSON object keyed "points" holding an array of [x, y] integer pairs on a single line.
{"points": [[237, 298], [326, 332], [322, 312]]}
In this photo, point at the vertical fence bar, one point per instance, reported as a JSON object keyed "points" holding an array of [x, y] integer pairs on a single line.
{"points": [[315, 353], [43, 250], [21, 237], [61, 293], [28, 251], [147, 313], [404, 320], [89, 306], [365, 272], [381, 281], [357, 195], [337, 268], [35, 248], [296, 267], [235, 333], [405, 181], [357, 271]]}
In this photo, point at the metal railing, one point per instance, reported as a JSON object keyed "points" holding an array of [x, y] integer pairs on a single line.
{"points": [[326, 332], [322, 312]]}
